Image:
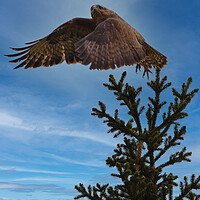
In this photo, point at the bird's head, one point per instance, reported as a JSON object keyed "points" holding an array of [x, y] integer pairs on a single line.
{"points": [[100, 13]]}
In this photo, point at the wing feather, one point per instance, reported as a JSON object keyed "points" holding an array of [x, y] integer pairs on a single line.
{"points": [[115, 43], [56, 47], [18, 54]]}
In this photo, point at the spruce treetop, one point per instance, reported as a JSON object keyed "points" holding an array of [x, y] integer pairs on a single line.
{"points": [[136, 159]]}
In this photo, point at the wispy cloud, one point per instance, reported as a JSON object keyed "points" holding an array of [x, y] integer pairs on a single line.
{"points": [[51, 128], [194, 110], [195, 153], [38, 179], [3, 198], [66, 108], [94, 136], [91, 163], [27, 188], [9, 120], [19, 169]]}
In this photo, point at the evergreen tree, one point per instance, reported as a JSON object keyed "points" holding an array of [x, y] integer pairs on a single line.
{"points": [[136, 159]]}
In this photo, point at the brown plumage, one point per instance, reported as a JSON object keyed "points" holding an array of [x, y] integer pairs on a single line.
{"points": [[105, 41]]}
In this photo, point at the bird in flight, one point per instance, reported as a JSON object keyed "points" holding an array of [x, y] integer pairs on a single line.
{"points": [[104, 41]]}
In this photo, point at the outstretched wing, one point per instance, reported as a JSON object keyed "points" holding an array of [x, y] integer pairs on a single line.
{"points": [[113, 43], [56, 47]]}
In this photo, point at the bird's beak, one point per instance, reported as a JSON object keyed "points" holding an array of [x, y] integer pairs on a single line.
{"points": [[94, 8]]}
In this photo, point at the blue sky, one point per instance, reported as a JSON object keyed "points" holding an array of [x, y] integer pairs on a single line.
{"points": [[49, 141]]}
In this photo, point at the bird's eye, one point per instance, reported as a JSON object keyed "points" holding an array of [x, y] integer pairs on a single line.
{"points": [[100, 7]]}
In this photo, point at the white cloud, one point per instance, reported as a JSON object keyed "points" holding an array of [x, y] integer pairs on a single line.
{"points": [[27, 188], [38, 179], [8, 185], [67, 107], [195, 153], [92, 163], [19, 169], [11, 121], [83, 134], [49, 127], [3, 198], [194, 110]]}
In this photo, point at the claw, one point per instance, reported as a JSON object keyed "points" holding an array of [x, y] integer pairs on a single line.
{"points": [[146, 71], [138, 68]]}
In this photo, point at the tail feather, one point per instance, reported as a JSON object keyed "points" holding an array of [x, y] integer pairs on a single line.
{"points": [[154, 58]]}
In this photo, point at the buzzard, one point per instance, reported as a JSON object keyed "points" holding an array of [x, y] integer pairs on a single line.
{"points": [[105, 41]]}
